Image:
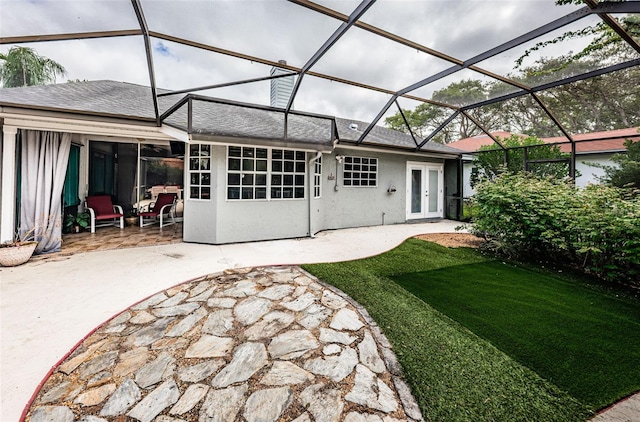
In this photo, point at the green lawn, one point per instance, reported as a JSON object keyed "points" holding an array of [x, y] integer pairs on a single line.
{"points": [[481, 340]]}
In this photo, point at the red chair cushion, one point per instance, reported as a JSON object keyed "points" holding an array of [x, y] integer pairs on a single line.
{"points": [[108, 216], [102, 206]]}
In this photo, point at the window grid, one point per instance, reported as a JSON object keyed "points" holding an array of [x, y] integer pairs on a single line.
{"points": [[199, 171], [265, 174], [247, 173], [287, 174], [360, 172], [317, 178]]}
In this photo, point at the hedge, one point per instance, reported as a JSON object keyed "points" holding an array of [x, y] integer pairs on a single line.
{"points": [[596, 229]]}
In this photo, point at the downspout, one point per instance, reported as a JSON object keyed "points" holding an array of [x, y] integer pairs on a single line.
{"points": [[311, 177]]}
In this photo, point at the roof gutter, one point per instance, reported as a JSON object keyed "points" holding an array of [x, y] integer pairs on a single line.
{"points": [[390, 149]]}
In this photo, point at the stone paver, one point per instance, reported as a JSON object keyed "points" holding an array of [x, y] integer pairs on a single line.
{"points": [[253, 344]]}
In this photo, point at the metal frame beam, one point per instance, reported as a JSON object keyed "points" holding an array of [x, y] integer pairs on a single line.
{"points": [[566, 81], [602, 9], [226, 84], [438, 129], [406, 122], [137, 7], [551, 26], [482, 128], [69, 36], [612, 22], [338, 33]]}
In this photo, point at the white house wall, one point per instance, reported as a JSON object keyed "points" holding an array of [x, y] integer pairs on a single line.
{"points": [[226, 221], [365, 206], [589, 174]]}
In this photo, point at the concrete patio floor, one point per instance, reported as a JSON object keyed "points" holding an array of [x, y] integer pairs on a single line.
{"points": [[48, 306]]}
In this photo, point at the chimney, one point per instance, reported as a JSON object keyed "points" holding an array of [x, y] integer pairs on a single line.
{"points": [[281, 88]]}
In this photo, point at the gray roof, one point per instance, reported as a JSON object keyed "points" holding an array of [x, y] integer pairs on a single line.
{"points": [[351, 130], [210, 117], [118, 99]]}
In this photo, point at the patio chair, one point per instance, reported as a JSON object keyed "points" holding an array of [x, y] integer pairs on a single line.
{"points": [[164, 205], [101, 209]]}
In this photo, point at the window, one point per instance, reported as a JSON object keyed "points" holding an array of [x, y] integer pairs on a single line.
{"points": [[262, 173], [360, 171], [199, 171], [247, 173], [287, 174], [317, 178]]}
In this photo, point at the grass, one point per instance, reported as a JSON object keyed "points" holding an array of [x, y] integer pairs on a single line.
{"points": [[468, 361]]}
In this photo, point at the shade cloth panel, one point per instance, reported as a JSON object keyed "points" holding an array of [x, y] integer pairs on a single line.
{"points": [[45, 156]]}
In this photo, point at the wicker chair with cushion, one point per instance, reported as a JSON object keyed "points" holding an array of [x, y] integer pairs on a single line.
{"points": [[102, 209], [164, 205]]}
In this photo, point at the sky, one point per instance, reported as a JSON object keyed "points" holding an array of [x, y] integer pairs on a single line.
{"points": [[280, 30]]}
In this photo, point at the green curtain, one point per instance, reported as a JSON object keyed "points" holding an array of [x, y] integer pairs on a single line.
{"points": [[72, 178]]}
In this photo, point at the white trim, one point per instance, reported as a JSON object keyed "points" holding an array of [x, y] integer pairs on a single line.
{"points": [[268, 174], [178, 134], [88, 127], [351, 179], [425, 167], [7, 218], [441, 156]]}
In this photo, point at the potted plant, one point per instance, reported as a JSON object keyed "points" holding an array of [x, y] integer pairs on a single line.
{"points": [[131, 217], [18, 251], [73, 223]]}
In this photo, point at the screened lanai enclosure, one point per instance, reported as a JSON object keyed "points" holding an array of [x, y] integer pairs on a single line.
{"points": [[359, 59], [436, 70]]}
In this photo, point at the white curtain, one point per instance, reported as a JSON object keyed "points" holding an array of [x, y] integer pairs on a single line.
{"points": [[44, 165]]}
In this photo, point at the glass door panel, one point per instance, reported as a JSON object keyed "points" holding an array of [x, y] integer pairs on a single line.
{"points": [[433, 191], [416, 191]]}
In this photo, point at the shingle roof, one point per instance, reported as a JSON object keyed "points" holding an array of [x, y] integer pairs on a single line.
{"points": [[94, 97], [351, 130], [209, 118]]}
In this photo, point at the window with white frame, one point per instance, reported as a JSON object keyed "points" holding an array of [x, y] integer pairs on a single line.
{"points": [[247, 173], [262, 173], [199, 171], [287, 174], [360, 171], [317, 178]]}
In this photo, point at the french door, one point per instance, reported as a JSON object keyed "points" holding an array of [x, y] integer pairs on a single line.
{"points": [[425, 194]]}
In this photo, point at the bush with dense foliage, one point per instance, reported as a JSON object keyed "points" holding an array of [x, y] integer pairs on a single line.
{"points": [[596, 229]]}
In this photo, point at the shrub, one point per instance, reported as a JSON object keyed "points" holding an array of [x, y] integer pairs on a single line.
{"points": [[596, 229]]}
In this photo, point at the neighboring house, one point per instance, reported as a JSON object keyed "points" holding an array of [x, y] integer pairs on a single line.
{"points": [[591, 148], [244, 179]]}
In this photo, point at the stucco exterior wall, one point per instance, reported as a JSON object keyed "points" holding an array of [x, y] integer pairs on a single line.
{"points": [[366, 206], [221, 220], [589, 174]]}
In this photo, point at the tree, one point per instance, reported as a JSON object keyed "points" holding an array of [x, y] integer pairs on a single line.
{"points": [[606, 102], [22, 66], [626, 174], [489, 162], [427, 117]]}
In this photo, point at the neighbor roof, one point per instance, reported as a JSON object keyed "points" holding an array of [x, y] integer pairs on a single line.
{"points": [[586, 143]]}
